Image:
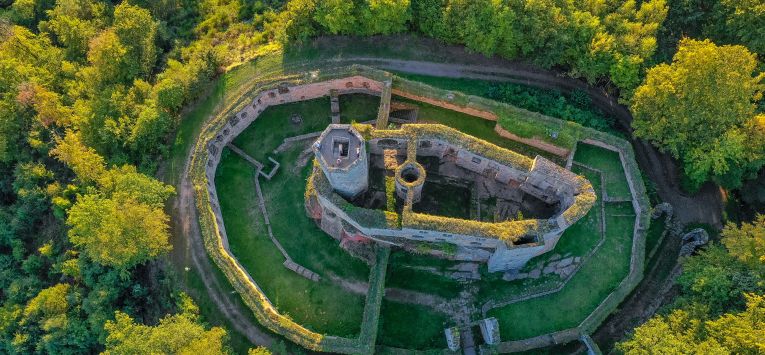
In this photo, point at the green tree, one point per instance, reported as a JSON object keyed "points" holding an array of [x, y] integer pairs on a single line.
{"points": [[336, 16], [73, 23], [84, 161], [122, 222], [427, 16], [714, 281], [747, 241], [701, 108], [128, 184], [385, 16], [137, 31], [176, 334], [295, 23], [681, 333], [119, 232], [109, 61], [745, 23]]}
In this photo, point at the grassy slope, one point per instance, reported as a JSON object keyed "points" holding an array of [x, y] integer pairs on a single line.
{"points": [[608, 162]]}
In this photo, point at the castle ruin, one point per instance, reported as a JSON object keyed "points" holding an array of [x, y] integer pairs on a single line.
{"points": [[420, 187]]}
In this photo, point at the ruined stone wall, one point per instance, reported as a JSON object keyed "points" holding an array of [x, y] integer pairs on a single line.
{"points": [[513, 258], [487, 115], [241, 120]]}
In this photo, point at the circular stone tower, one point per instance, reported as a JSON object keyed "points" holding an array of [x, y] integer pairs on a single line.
{"points": [[410, 176], [342, 155]]}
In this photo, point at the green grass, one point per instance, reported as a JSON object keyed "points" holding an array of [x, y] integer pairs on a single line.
{"points": [[273, 125], [577, 240], [608, 162], [422, 281], [424, 328], [597, 277], [473, 126], [323, 306], [358, 107]]}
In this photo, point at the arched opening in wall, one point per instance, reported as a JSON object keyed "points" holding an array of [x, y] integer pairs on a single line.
{"points": [[527, 239]]}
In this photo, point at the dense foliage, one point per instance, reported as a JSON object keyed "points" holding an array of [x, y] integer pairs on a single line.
{"points": [[576, 107], [702, 109], [89, 92], [721, 302], [597, 40]]}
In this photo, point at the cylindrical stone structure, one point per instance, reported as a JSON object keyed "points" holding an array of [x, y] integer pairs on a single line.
{"points": [[342, 155], [410, 176]]}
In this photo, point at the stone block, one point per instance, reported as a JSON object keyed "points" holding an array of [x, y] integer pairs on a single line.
{"points": [[565, 262]]}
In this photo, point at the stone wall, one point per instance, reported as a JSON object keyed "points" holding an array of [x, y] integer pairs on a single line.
{"points": [[241, 120], [491, 116]]}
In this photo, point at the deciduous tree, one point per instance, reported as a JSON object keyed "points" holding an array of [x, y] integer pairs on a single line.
{"points": [[747, 241], [701, 109], [176, 334], [119, 232]]}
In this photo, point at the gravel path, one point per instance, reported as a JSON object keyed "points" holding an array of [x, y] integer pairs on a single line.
{"points": [[705, 207]]}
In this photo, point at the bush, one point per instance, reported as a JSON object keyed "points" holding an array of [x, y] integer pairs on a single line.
{"points": [[576, 107]]}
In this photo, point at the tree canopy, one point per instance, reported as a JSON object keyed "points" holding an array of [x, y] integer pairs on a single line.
{"points": [[682, 333], [176, 334], [702, 109]]}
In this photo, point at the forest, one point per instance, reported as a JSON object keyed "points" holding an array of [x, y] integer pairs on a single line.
{"points": [[92, 93]]}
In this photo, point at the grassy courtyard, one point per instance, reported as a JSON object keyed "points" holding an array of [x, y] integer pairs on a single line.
{"points": [[609, 164]]}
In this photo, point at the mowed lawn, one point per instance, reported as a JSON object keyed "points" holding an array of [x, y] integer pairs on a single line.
{"points": [[323, 307], [608, 162]]}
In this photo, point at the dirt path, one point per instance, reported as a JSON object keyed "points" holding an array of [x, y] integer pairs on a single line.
{"points": [[190, 249], [705, 207]]}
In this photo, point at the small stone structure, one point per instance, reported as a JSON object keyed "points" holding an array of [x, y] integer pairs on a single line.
{"points": [[692, 240], [335, 195], [489, 330], [452, 338], [342, 155]]}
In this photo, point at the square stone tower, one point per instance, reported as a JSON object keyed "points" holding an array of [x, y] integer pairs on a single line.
{"points": [[342, 155]]}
